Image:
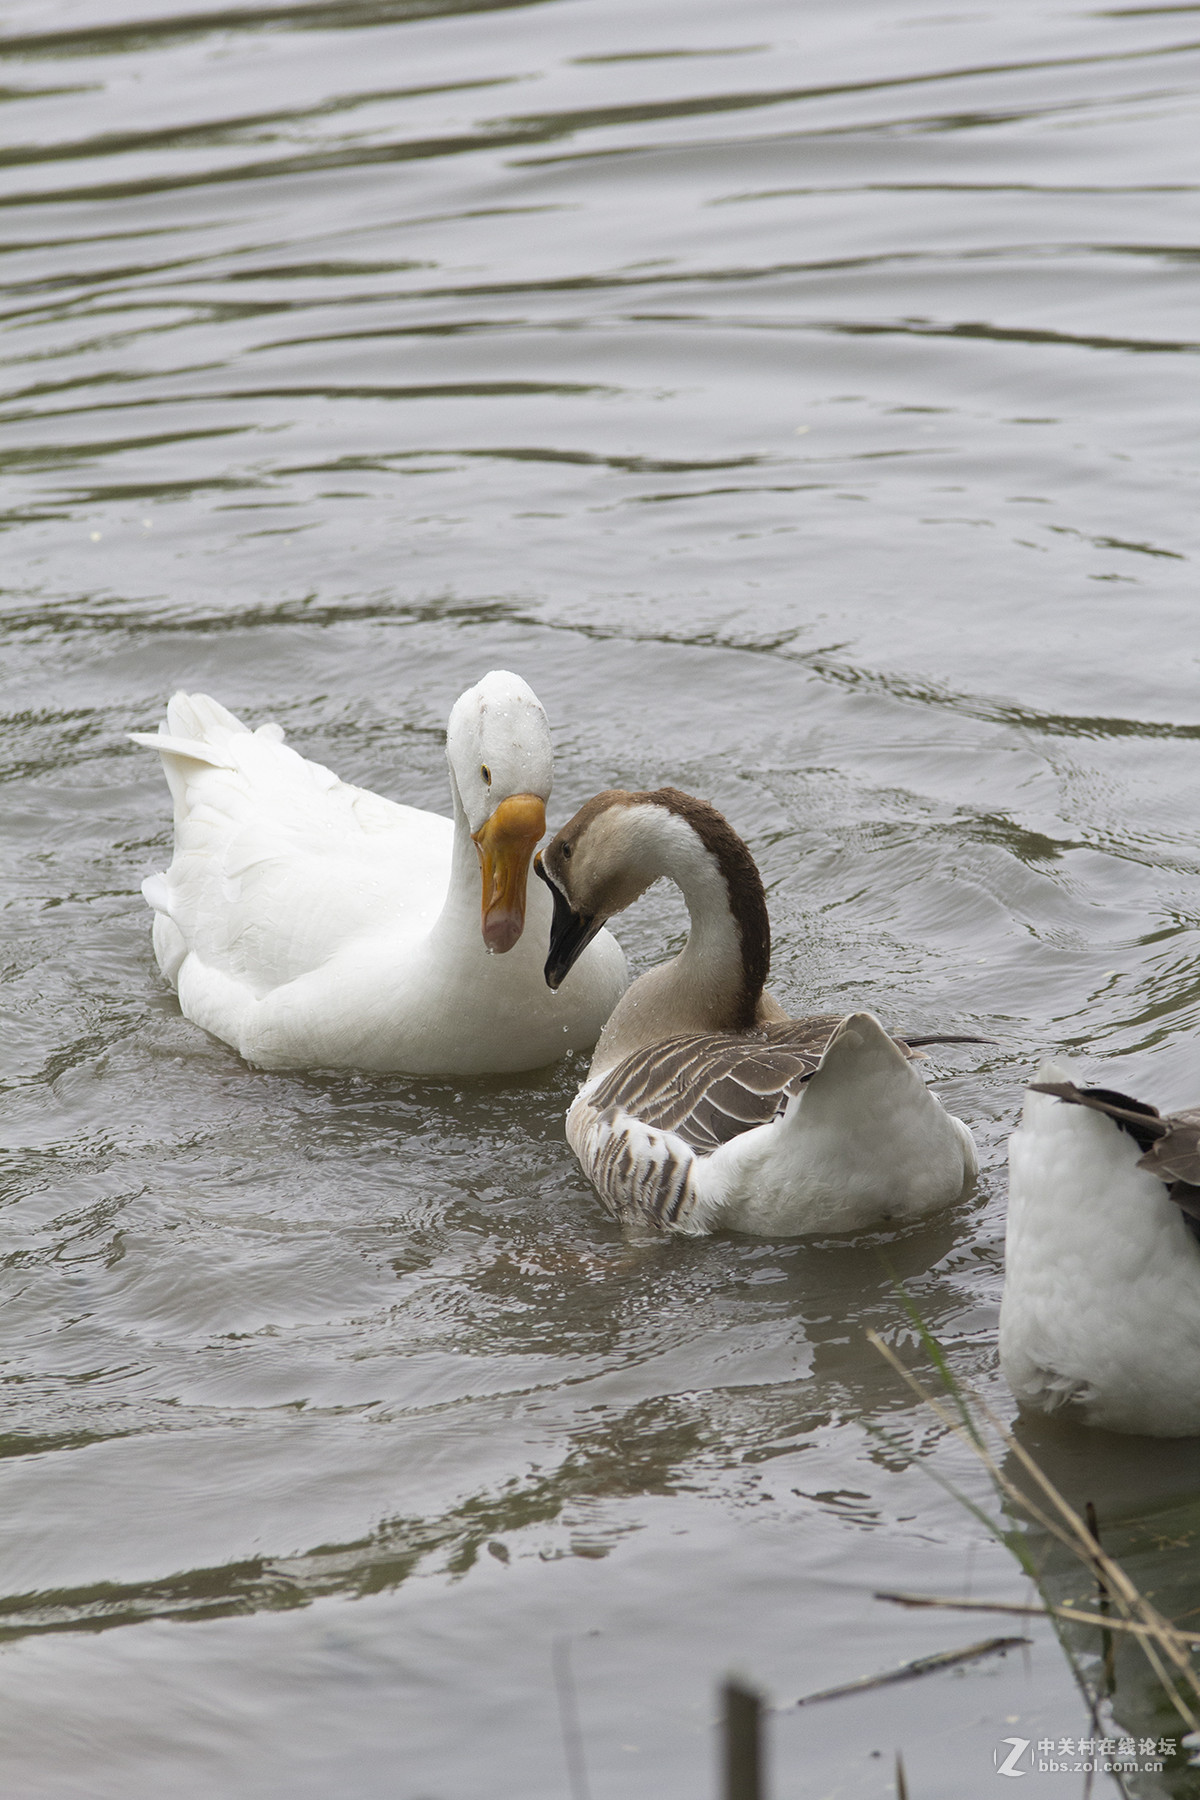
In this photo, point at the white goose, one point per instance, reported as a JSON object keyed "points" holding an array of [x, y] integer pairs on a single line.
{"points": [[706, 1107], [311, 924], [1101, 1311]]}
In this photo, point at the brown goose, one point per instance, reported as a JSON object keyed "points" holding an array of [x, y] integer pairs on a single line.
{"points": [[706, 1107]]}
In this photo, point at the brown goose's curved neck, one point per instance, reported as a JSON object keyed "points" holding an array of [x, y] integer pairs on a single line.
{"points": [[743, 885]]}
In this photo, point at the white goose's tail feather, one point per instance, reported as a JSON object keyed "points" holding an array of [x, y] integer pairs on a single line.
{"points": [[864, 1142], [197, 729], [191, 735], [284, 881], [205, 750], [201, 718]]}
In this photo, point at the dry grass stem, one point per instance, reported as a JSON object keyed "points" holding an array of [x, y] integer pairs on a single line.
{"points": [[921, 1665], [1074, 1615], [1165, 1648]]}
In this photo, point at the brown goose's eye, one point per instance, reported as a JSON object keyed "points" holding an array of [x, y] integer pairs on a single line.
{"points": [[486, 773], [566, 852]]}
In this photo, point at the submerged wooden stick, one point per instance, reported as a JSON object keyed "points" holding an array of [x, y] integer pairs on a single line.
{"points": [[1103, 1598], [568, 1718], [921, 1665], [743, 1742]]}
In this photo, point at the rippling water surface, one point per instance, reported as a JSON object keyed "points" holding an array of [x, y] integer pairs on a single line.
{"points": [[803, 398]]}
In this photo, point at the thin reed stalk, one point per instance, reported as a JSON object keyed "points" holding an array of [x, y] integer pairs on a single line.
{"points": [[1165, 1647]]}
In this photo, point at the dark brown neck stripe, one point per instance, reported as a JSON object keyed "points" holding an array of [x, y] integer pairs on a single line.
{"points": [[747, 901]]}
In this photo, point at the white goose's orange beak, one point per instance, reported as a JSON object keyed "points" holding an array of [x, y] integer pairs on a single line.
{"points": [[505, 844]]}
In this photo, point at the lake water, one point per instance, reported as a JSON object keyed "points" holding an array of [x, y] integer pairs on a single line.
{"points": [[803, 398]]}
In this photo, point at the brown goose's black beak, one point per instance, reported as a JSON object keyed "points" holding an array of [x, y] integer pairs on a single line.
{"points": [[570, 932]]}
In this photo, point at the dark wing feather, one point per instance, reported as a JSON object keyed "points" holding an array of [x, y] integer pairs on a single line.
{"points": [[1170, 1145], [1176, 1157], [1137, 1117], [711, 1087]]}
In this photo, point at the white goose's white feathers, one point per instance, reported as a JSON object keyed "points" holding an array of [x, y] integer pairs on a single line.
{"points": [[313, 924], [706, 1107], [1101, 1311]]}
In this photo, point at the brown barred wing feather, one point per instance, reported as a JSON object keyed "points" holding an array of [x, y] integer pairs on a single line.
{"points": [[1175, 1159], [711, 1087], [1176, 1155]]}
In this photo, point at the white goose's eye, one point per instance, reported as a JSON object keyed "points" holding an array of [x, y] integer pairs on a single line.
{"points": [[486, 773]]}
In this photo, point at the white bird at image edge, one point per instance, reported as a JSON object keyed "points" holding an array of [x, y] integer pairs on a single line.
{"points": [[1100, 1319]]}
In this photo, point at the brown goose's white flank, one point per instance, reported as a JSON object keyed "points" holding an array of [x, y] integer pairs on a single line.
{"points": [[706, 1107]]}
